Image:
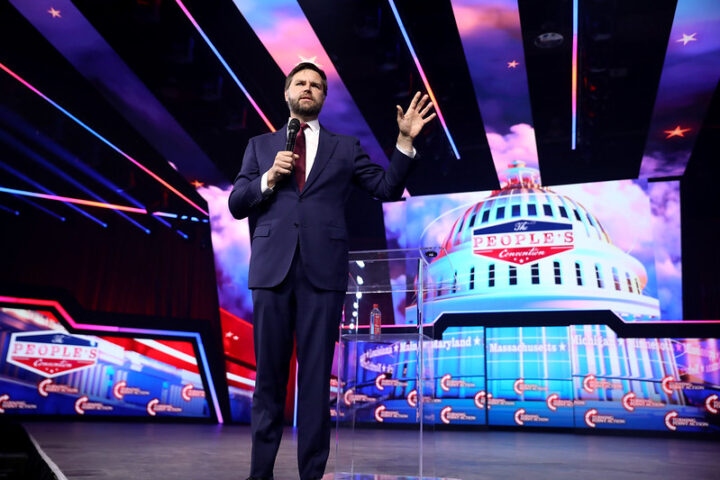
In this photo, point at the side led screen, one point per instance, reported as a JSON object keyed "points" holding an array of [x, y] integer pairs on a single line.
{"points": [[46, 370]]}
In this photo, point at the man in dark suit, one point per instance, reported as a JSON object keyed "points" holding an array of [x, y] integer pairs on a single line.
{"points": [[295, 204]]}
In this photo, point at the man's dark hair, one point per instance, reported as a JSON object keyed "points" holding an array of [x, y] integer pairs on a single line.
{"points": [[307, 66]]}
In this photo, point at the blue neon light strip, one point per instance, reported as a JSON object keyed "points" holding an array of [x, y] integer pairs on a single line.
{"points": [[9, 210], [573, 136], [31, 134], [110, 206], [39, 159], [166, 214], [101, 138], [30, 181], [40, 207], [78, 201], [224, 64], [424, 78]]}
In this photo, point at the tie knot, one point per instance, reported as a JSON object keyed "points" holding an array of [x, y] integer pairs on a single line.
{"points": [[303, 126]]}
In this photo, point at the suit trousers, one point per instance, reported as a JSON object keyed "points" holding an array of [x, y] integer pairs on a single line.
{"points": [[313, 315]]}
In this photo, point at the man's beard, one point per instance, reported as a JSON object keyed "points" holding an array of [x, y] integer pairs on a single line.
{"points": [[298, 108]]}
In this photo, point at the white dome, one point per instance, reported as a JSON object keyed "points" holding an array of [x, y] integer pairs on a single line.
{"points": [[574, 266]]}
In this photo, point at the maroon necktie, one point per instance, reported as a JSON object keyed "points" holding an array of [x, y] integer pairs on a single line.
{"points": [[300, 151]]}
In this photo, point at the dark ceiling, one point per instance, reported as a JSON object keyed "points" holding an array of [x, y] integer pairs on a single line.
{"points": [[141, 75]]}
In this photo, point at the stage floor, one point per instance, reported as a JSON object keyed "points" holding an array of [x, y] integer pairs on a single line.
{"points": [[110, 451]]}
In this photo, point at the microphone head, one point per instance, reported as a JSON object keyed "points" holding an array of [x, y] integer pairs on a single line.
{"points": [[293, 127]]}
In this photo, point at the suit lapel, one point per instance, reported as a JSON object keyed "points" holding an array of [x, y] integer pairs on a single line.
{"points": [[279, 140], [326, 146]]}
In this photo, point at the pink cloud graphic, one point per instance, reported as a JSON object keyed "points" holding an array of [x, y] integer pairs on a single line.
{"points": [[474, 17], [231, 245], [519, 144]]}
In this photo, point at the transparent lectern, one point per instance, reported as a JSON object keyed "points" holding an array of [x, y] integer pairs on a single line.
{"points": [[386, 380]]}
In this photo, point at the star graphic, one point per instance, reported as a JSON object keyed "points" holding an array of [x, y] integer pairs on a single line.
{"points": [[477, 341], [677, 132], [55, 13], [512, 64], [197, 183], [309, 60], [687, 38], [563, 347]]}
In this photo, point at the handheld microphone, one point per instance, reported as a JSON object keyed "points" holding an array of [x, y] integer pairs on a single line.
{"points": [[293, 128]]}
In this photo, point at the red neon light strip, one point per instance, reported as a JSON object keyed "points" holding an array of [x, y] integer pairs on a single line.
{"points": [[78, 201], [103, 139], [574, 80]]}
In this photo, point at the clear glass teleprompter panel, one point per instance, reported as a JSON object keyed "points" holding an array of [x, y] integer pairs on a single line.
{"points": [[386, 380], [386, 271]]}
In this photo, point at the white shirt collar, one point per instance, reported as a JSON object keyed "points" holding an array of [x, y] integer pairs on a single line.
{"points": [[313, 125]]}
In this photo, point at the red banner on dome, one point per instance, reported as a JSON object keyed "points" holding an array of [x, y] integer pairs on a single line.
{"points": [[523, 241]]}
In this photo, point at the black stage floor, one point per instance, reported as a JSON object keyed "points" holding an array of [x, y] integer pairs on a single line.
{"points": [[110, 451]]}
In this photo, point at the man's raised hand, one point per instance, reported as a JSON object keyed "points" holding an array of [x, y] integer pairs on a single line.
{"points": [[412, 121]]}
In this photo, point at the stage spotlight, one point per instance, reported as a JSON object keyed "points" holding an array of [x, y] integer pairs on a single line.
{"points": [[549, 40]]}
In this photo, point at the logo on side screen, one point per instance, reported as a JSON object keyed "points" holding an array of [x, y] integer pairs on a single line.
{"points": [[51, 354]]}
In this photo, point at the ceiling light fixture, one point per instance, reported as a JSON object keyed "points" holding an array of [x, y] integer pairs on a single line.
{"points": [[549, 40]]}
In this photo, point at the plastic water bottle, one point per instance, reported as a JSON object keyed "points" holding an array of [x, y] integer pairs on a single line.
{"points": [[375, 320]]}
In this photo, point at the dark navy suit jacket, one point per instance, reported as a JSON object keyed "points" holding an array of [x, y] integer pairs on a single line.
{"points": [[314, 218]]}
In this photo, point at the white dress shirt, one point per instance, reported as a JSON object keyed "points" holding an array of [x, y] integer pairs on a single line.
{"points": [[312, 138]]}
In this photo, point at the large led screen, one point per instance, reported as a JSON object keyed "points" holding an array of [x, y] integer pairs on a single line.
{"points": [[596, 246], [600, 246]]}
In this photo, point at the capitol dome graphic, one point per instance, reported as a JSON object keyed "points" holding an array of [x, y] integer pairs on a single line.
{"points": [[527, 248]]}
